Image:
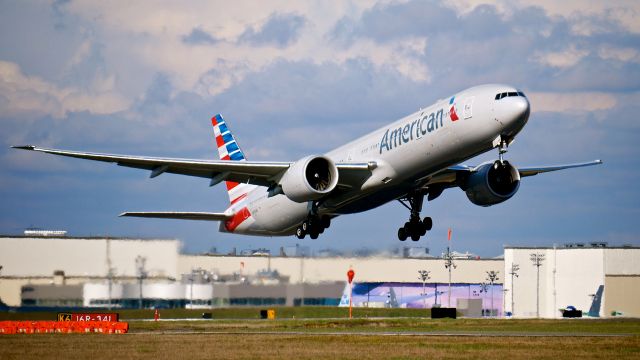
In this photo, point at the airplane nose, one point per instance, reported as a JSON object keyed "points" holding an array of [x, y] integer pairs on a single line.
{"points": [[513, 115]]}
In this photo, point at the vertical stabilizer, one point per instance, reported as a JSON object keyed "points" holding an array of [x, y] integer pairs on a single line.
{"points": [[229, 150]]}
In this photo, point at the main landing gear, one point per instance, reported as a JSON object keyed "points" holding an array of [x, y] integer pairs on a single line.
{"points": [[414, 228], [314, 225]]}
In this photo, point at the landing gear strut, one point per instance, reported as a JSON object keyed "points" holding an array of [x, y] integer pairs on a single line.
{"points": [[314, 225], [414, 228], [502, 149]]}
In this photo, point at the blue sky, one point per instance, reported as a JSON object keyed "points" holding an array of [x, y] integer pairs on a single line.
{"points": [[294, 78]]}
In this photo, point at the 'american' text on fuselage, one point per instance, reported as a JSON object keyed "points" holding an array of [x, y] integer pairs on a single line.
{"points": [[413, 130]]}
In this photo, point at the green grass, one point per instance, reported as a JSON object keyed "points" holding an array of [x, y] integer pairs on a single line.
{"points": [[318, 332], [311, 312], [403, 325], [265, 346]]}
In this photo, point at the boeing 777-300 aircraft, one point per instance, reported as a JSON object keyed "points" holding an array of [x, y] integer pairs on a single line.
{"points": [[416, 156]]}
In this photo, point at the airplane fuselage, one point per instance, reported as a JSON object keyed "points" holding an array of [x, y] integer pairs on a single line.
{"points": [[405, 152]]}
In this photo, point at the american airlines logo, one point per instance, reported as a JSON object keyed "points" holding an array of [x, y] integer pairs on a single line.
{"points": [[417, 128]]}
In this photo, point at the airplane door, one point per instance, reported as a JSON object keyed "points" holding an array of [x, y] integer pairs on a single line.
{"points": [[468, 107]]}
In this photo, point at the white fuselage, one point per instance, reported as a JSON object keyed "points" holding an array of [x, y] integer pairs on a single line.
{"points": [[406, 152]]}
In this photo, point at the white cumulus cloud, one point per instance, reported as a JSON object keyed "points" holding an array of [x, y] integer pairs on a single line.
{"points": [[24, 94]]}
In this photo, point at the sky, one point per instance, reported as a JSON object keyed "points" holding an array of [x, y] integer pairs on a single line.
{"points": [[294, 78]]}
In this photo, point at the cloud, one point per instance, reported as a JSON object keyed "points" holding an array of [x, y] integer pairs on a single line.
{"points": [[570, 103], [198, 36], [30, 95], [280, 30], [562, 59]]}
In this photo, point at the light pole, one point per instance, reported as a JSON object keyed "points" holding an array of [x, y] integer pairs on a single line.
{"points": [[424, 276], [514, 273], [448, 263], [504, 300], [191, 290], [483, 289], [492, 276], [110, 274], [537, 260], [140, 262]]}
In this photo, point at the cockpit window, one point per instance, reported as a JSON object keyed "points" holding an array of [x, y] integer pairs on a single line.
{"points": [[509, 94]]}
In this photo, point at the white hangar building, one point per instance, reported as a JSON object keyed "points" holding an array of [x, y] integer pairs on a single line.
{"points": [[601, 281]]}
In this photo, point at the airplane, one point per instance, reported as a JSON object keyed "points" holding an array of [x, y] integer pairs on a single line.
{"points": [[417, 156]]}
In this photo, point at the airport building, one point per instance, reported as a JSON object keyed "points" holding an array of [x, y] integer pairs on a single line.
{"points": [[60, 271], [599, 280]]}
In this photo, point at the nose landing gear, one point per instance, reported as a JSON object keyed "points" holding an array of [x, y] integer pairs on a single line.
{"points": [[414, 228]]}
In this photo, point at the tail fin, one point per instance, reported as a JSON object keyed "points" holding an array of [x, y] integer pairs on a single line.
{"points": [[229, 150]]}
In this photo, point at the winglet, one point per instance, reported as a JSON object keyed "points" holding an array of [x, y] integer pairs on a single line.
{"points": [[24, 147]]}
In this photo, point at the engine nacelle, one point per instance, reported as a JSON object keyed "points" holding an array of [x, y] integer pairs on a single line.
{"points": [[491, 183], [309, 178]]}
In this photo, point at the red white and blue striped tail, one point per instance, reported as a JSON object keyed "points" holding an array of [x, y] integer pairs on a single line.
{"points": [[229, 150]]}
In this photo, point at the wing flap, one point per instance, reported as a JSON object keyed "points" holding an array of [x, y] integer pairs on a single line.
{"points": [[205, 216]]}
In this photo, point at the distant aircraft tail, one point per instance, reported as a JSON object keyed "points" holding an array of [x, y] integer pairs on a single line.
{"points": [[229, 150]]}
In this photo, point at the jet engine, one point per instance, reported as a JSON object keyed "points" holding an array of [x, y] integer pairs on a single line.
{"points": [[491, 183], [309, 178]]}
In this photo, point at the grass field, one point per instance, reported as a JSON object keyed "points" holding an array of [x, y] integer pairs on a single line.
{"points": [[325, 333], [310, 312]]}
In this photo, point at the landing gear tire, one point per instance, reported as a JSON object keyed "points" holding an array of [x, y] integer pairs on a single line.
{"points": [[428, 223], [402, 234], [300, 233], [305, 226]]}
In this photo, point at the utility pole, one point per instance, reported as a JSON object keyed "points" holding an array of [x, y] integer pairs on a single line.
{"points": [[448, 263], [537, 260], [424, 276], [514, 273], [492, 276], [140, 262]]}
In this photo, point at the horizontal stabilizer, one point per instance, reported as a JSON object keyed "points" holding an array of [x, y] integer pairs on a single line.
{"points": [[181, 215]]}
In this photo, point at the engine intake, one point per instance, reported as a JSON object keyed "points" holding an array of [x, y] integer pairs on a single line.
{"points": [[492, 183], [309, 178]]}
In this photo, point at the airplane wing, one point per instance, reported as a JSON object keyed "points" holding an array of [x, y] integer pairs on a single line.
{"points": [[253, 172], [181, 215], [447, 177], [531, 171]]}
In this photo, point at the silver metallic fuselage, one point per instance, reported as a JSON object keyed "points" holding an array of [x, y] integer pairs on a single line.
{"points": [[406, 152]]}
